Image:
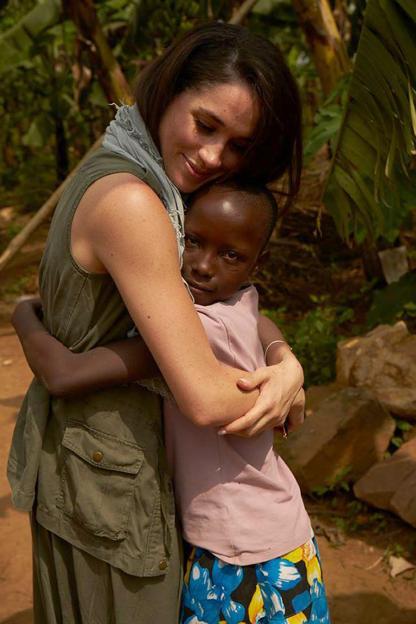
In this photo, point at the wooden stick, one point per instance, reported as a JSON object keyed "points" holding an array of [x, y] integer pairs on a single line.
{"points": [[43, 213], [241, 13]]}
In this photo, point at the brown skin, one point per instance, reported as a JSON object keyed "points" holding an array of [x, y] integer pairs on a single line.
{"points": [[225, 235], [224, 238]]}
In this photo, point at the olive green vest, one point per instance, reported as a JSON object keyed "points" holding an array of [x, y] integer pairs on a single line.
{"points": [[96, 463]]}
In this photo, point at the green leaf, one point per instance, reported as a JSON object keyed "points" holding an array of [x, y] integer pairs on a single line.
{"points": [[390, 303], [370, 189], [16, 43], [39, 132]]}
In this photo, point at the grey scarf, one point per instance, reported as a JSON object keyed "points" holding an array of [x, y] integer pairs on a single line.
{"points": [[127, 136]]}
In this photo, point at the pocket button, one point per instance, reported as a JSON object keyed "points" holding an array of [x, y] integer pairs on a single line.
{"points": [[163, 564], [97, 456]]}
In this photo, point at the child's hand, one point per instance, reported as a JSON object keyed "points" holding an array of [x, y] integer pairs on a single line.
{"points": [[281, 400]]}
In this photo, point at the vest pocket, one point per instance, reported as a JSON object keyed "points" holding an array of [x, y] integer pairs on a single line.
{"points": [[98, 479]]}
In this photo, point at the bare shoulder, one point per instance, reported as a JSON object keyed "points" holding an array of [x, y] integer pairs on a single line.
{"points": [[115, 210], [115, 194]]}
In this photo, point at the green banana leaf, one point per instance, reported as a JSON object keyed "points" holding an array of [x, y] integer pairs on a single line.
{"points": [[371, 187], [16, 43]]}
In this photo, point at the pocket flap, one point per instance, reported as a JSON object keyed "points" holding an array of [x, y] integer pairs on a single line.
{"points": [[103, 450]]}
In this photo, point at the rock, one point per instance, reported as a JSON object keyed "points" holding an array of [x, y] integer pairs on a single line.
{"points": [[398, 565], [316, 394], [384, 361], [346, 433], [391, 484]]}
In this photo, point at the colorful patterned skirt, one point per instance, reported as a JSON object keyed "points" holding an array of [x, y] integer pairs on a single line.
{"points": [[285, 590]]}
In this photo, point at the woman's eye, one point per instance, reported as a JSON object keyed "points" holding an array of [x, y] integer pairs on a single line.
{"points": [[203, 127]]}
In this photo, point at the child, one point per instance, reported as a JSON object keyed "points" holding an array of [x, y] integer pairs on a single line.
{"points": [[254, 558]]}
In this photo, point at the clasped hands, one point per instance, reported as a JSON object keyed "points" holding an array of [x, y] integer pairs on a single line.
{"points": [[281, 400]]}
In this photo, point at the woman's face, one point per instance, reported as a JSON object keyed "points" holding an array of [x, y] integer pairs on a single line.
{"points": [[204, 133]]}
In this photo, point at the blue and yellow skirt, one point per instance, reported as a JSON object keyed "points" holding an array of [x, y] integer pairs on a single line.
{"points": [[285, 590]]}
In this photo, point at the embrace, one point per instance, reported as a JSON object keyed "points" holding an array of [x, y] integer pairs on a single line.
{"points": [[153, 363]]}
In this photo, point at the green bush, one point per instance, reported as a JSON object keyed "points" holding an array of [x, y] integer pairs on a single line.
{"points": [[395, 301], [314, 337]]}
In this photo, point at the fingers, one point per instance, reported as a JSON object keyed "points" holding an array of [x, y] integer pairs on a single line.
{"points": [[259, 418], [250, 381]]}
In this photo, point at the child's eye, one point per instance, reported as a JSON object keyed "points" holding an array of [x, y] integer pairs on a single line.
{"points": [[231, 255], [190, 241]]}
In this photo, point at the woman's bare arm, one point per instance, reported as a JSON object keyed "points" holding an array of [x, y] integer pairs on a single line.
{"points": [[121, 227], [280, 383], [65, 373]]}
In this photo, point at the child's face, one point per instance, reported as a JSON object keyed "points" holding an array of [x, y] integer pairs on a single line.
{"points": [[223, 239]]}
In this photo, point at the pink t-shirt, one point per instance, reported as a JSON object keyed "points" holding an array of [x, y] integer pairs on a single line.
{"points": [[236, 496]]}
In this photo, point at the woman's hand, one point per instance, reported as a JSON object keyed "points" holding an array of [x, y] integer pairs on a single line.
{"points": [[281, 400]]}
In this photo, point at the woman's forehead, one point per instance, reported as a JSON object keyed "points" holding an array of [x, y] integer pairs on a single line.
{"points": [[232, 105]]}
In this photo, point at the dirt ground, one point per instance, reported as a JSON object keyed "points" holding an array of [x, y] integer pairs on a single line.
{"points": [[360, 588]]}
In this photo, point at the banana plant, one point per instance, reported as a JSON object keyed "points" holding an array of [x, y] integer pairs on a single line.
{"points": [[17, 42], [371, 187]]}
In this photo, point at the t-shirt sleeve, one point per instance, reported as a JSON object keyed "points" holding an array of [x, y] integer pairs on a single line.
{"points": [[218, 336]]}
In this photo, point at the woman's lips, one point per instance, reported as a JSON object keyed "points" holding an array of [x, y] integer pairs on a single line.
{"points": [[197, 173]]}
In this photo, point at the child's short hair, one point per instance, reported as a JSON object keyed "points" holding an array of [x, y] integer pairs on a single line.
{"points": [[249, 192]]}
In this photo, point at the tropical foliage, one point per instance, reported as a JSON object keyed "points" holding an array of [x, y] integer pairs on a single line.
{"points": [[371, 188]]}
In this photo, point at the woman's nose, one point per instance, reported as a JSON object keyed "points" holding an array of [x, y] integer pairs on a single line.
{"points": [[211, 155]]}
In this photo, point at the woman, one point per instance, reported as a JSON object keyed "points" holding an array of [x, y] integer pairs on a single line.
{"points": [[220, 101]]}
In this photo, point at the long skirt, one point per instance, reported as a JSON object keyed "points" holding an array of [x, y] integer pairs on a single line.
{"points": [[285, 590], [72, 587]]}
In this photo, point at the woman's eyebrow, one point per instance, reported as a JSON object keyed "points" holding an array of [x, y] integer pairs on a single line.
{"points": [[208, 113]]}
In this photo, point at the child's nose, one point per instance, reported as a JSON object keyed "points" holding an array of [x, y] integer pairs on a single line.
{"points": [[205, 266]]}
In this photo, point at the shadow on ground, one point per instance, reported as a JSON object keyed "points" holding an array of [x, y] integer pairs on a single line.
{"points": [[368, 608], [23, 617]]}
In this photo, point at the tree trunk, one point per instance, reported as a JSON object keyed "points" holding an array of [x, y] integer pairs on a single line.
{"points": [[325, 43], [110, 74], [61, 150]]}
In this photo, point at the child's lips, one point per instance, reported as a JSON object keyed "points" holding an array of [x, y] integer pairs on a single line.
{"points": [[199, 287]]}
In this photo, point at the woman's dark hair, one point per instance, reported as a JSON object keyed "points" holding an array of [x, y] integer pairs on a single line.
{"points": [[218, 53]]}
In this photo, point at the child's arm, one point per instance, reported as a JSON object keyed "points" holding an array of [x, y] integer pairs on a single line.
{"points": [[65, 373], [273, 341], [280, 381]]}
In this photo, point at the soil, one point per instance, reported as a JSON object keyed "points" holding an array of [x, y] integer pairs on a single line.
{"points": [[359, 585]]}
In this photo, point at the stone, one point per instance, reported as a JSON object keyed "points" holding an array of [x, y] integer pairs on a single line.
{"points": [[344, 434], [316, 394], [384, 361], [391, 484], [394, 263]]}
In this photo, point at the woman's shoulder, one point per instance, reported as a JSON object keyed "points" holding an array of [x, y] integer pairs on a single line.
{"points": [[120, 192]]}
